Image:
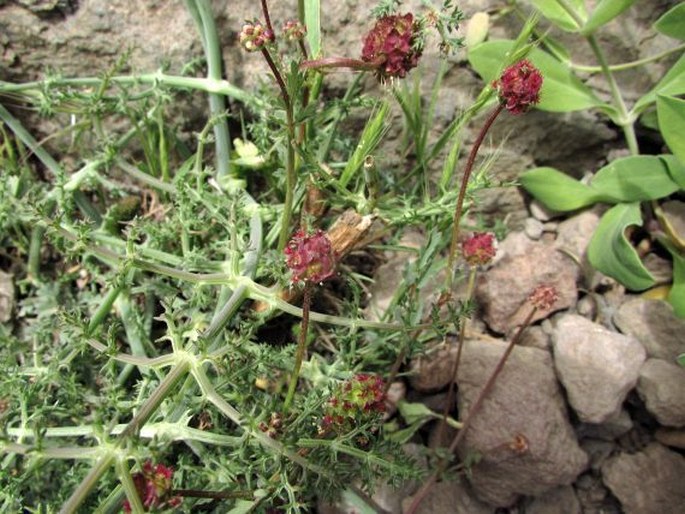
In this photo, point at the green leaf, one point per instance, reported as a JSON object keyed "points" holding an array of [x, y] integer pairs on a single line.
{"points": [[605, 11], [562, 91], [671, 113], [676, 168], [557, 190], [676, 297], [413, 412], [612, 254], [672, 22], [312, 20], [635, 178], [673, 83], [681, 359], [559, 16]]}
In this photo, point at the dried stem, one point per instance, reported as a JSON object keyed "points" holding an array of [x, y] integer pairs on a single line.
{"points": [[301, 345]]}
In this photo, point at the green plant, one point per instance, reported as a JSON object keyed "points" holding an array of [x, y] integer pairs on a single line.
{"points": [[635, 186]]}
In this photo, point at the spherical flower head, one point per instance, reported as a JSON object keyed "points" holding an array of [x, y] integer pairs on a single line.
{"points": [[254, 36], [153, 485], [293, 30], [310, 257], [391, 44], [544, 297], [479, 249], [519, 87], [357, 400]]}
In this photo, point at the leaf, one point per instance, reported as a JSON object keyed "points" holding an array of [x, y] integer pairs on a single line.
{"points": [[312, 20], [413, 412], [672, 22], [605, 11], [635, 178], [673, 83], [677, 295], [612, 254], [562, 91], [559, 16], [671, 114], [557, 190], [675, 168]]}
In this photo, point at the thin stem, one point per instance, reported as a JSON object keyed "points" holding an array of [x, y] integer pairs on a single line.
{"points": [[430, 482], [301, 346], [455, 365], [267, 18], [458, 210], [627, 65], [340, 62]]}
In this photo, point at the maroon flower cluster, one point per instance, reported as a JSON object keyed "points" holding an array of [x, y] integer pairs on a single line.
{"points": [[519, 87], [293, 30], [479, 249], [391, 45], [254, 35], [544, 297], [355, 401], [154, 488], [310, 257]]}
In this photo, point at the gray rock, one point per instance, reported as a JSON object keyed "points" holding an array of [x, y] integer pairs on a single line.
{"points": [[653, 323], [503, 291], [598, 450], [597, 367], [561, 500], [533, 228], [662, 387], [610, 429], [650, 481], [525, 401], [6, 296], [450, 497], [574, 234], [431, 371]]}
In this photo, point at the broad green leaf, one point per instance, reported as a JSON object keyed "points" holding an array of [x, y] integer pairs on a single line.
{"points": [[671, 113], [676, 169], [673, 83], [672, 22], [605, 11], [677, 295], [554, 12], [681, 359], [635, 178], [312, 20], [557, 190], [612, 254], [561, 90]]}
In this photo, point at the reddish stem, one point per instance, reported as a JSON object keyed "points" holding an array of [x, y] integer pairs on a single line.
{"points": [[267, 18]]}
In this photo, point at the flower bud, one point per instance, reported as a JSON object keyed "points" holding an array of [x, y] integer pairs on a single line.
{"points": [[544, 297], [293, 30], [254, 35], [519, 87], [392, 45], [153, 485], [355, 401], [479, 249]]}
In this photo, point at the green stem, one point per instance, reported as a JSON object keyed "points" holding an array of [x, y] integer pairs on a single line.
{"points": [[129, 487], [627, 65], [458, 210], [301, 346]]}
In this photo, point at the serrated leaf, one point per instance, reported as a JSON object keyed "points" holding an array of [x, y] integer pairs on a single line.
{"points": [[557, 190], [673, 83], [555, 13], [605, 11], [562, 91], [612, 254], [672, 22], [635, 178], [671, 114]]}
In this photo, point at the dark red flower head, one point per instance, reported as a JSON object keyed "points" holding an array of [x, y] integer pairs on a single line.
{"points": [[153, 485], [391, 44], [479, 249], [310, 257], [519, 87]]}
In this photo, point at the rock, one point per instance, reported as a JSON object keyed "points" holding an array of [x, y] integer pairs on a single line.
{"points": [[561, 500], [653, 323], [574, 234], [594, 496], [535, 337], [542, 213], [596, 366], [6, 296], [450, 497], [525, 401], [431, 371], [662, 387], [648, 481], [503, 291], [674, 438], [533, 228], [610, 429]]}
